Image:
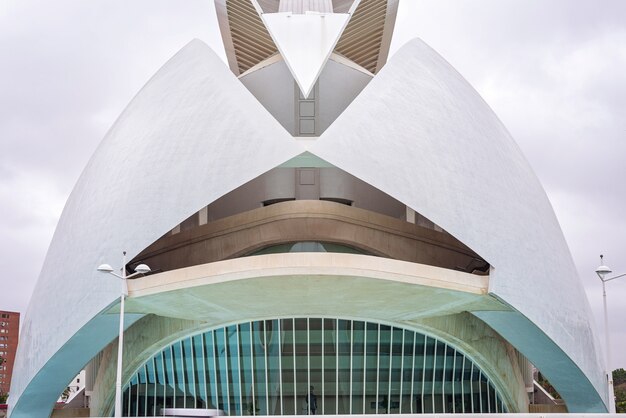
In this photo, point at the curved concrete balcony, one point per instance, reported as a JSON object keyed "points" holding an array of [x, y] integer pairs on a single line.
{"points": [[310, 220]]}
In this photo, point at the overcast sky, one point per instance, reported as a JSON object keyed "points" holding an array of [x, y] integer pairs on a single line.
{"points": [[554, 72]]}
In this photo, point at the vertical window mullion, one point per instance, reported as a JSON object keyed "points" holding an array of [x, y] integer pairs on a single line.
{"points": [[253, 386], [164, 376], [432, 392], [308, 365], [377, 368], [215, 352], [182, 365], [495, 402], [280, 366], [364, 365], [137, 398], [295, 395], [453, 383], [240, 367], [413, 370], [265, 347], [156, 384], [227, 370], [388, 407], [129, 397], [472, 385], [337, 366], [401, 372], [174, 376], [206, 370], [488, 397], [193, 372], [351, 355], [323, 355], [463, 385], [443, 378], [424, 373], [145, 397], [480, 392]]}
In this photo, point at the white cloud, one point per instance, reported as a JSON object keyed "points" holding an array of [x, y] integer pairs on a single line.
{"points": [[554, 72]]}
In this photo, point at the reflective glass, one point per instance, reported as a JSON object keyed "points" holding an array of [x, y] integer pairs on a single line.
{"points": [[311, 366]]}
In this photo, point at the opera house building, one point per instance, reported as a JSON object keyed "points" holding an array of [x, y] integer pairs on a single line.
{"points": [[330, 230]]}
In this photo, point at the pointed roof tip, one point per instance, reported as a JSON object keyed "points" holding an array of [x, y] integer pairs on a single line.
{"points": [[305, 42]]}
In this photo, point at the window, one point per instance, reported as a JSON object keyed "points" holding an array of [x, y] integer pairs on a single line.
{"points": [[4, 315], [306, 366]]}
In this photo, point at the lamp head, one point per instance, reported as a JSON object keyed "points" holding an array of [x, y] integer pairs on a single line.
{"points": [[142, 268], [603, 271], [105, 268]]}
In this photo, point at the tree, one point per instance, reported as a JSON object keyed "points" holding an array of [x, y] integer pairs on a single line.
{"points": [[541, 379], [619, 385], [3, 396], [619, 377]]}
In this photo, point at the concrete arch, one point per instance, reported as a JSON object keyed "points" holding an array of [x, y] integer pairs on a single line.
{"points": [[250, 288]]}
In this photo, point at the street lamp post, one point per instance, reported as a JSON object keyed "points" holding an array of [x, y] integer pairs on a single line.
{"points": [[106, 268], [602, 272]]}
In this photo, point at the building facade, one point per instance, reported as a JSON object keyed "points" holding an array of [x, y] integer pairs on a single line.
{"points": [[329, 232], [9, 337]]}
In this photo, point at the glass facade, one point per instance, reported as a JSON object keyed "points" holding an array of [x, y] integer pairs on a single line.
{"points": [[308, 366], [308, 247]]}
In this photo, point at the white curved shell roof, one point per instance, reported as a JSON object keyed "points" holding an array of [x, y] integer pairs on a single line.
{"points": [[418, 132], [419, 121]]}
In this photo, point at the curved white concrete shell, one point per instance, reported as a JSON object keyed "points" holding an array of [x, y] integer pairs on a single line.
{"points": [[418, 132], [418, 120], [180, 143]]}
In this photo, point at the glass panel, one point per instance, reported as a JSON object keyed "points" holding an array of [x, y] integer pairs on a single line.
{"points": [[151, 389], [169, 377], [419, 373], [302, 361], [190, 380], [358, 366], [438, 377], [384, 363], [428, 386], [160, 386], [396, 371], [221, 354], [330, 368], [211, 362], [287, 365], [259, 366], [315, 360], [456, 385], [200, 372], [234, 390], [272, 335], [311, 366], [245, 366], [343, 372], [371, 367], [407, 370]]}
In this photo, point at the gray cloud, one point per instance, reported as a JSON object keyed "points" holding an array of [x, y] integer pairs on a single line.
{"points": [[554, 72]]}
